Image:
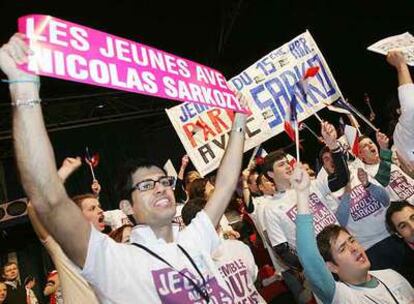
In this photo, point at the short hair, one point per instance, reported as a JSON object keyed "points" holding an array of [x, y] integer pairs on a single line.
{"points": [[191, 208], [271, 158], [28, 279], [362, 137], [394, 207], [78, 199], [325, 238], [3, 269], [324, 150], [127, 169], [197, 188]]}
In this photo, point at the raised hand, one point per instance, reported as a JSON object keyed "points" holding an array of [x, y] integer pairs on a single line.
{"points": [[185, 160], [363, 177], [396, 59], [382, 140], [13, 53], [96, 187], [329, 135], [69, 165], [300, 179]]}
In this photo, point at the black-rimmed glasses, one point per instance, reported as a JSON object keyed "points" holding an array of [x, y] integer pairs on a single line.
{"points": [[149, 184]]}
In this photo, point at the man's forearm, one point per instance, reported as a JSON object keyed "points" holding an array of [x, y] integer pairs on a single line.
{"points": [[384, 170], [340, 178], [229, 170], [34, 153]]}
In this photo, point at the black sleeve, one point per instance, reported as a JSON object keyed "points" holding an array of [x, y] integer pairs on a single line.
{"points": [[340, 178], [250, 206], [179, 192], [288, 256]]}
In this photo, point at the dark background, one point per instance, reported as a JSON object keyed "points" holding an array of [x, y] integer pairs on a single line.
{"points": [[226, 35]]}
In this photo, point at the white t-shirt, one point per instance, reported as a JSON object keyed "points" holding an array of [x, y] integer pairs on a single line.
{"points": [[257, 215], [403, 133], [280, 215], [397, 285], [259, 207], [75, 289], [401, 186], [122, 273], [236, 264], [366, 220]]}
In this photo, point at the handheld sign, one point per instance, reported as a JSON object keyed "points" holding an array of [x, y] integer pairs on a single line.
{"points": [[270, 83], [77, 53]]}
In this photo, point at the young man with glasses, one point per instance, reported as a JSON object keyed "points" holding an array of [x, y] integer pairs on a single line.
{"points": [[162, 265]]}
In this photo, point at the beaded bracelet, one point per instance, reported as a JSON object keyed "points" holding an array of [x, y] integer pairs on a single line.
{"points": [[29, 102]]}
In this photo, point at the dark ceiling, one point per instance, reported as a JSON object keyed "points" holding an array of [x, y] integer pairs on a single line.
{"points": [[228, 35]]}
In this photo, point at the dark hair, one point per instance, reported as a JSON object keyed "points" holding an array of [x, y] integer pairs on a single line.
{"points": [[28, 279], [325, 238], [271, 158], [191, 208], [324, 150], [78, 199], [395, 207], [125, 172], [197, 188]]}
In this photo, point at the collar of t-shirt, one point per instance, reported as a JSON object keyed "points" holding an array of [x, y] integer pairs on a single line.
{"points": [[143, 234], [371, 283]]}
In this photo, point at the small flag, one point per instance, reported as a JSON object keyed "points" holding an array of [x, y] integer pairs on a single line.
{"points": [[303, 84], [351, 135], [92, 160], [291, 118], [260, 156], [291, 159], [311, 72], [337, 109]]}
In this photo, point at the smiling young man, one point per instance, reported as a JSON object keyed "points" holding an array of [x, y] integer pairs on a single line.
{"points": [[162, 265], [340, 253]]}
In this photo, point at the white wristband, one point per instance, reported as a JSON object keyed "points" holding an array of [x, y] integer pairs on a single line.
{"points": [[28, 102]]}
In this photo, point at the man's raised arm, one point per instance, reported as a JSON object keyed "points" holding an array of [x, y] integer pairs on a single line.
{"points": [[229, 170], [35, 157]]}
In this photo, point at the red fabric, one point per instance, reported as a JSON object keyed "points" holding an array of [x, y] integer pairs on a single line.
{"points": [[310, 72], [289, 130]]}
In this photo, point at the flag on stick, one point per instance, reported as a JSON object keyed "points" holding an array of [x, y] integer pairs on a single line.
{"points": [[92, 161], [304, 87], [351, 135]]}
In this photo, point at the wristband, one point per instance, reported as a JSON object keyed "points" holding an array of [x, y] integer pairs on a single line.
{"points": [[28, 102]]}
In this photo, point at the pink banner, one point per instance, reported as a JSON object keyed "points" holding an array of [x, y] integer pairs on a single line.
{"points": [[73, 52]]}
